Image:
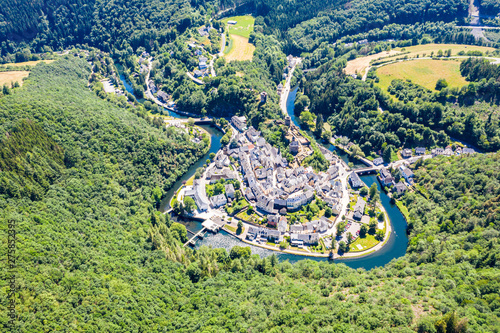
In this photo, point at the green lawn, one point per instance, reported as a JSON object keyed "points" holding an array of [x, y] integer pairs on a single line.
{"points": [[243, 27], [422, 72], [228, 227], [367, 242], [403, 210], [245, 217]]}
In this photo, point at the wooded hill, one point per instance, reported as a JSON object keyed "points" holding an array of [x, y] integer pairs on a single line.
{"points": [[93, 253]]}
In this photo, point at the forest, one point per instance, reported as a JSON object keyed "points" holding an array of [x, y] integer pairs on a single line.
{"points": [[99, 195], [82, 172]]}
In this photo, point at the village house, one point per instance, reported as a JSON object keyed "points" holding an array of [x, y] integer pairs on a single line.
{"points": [[355, 180], [273, 220], [359, 209], [263, 97], [197, 193], [385, 178], [468, 151], [378, 161], [282, 224], [406, 153], [420, 150], [197, 73], [279, 89], [218, 200], [407, 174], [239, 122], [437, 151], [229, 188], [399, 188], [294, 146], [162, 96]]}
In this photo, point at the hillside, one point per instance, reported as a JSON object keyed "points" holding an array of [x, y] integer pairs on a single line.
{"points": [[83, 172]]}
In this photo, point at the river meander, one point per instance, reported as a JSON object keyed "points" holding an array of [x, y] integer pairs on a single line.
{"points": [[394, 248]]}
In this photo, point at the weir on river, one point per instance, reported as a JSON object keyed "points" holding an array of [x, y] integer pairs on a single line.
{"points": [[395, 247]]}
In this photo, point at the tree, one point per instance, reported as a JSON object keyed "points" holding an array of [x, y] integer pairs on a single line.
{"points": [[319, 125], [373, 190], [237, 194], [363, 191], [189, 204], [387, 153], [381, 216], [441, 84], [379, 235], [372, 227], [6, 89], [306, 117], [250, 210], [283, 244], [179, 231], [363, 230], [328, 212], [239, 230], [218, 188], [193, 272], [212, 156], [326, 136], [156, 195], [300, 104], [343, 246], [349, 238], [356, 151]]}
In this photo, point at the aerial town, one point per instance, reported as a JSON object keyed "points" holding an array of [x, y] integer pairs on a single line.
{"points": [[277, 188]]}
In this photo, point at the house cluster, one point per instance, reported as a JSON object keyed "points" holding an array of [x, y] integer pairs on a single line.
{"points": [[387, 180], [448, 151], [300, 234], [219, 170], [202, 67], [144, 56], [274, 186]]}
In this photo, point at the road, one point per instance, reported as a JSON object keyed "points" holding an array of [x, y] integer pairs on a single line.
{"points": [[223, 44], [286, 88], [195, 80], [149, 94]]}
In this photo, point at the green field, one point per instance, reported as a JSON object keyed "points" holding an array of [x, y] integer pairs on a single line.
{"points": [[422, 72], [366, 242], [243, 27]]}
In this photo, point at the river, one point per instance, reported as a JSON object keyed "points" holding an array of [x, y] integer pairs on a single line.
{"points": [[394, 248]]}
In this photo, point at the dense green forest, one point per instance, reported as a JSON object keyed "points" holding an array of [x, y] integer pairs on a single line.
{"points": [[93, 254], [382, 19], [82, 172]]}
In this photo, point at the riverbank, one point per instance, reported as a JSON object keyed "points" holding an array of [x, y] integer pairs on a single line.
{"points": [[357, 254]]}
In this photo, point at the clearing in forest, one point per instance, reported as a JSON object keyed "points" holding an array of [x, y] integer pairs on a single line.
{"points": [[243, 26], [27, 63], [424, 72], [359, 65], [14, 76], [239, 47]]}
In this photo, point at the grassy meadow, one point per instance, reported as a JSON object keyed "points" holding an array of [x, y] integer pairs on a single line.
{"points": [[422, 72], [15, 76], [243, 27], [359, 65], [239, 48]]}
